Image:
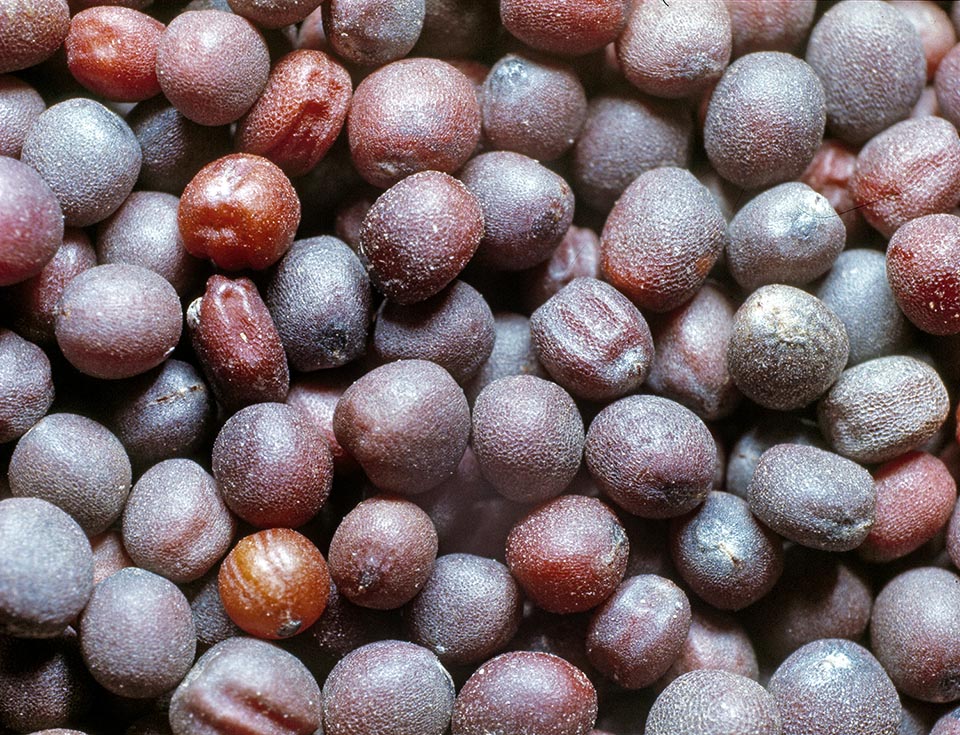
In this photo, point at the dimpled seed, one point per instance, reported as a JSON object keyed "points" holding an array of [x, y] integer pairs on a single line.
{"points": [[770, 25], [20, 105], [882, 408], [237, 344], [31, 31], [592, 340], [31, 222], [26, 385], [245, 684], [240, 211], [816, 498]]}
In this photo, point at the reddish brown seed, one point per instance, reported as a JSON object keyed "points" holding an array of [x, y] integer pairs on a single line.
{"points": [[212, 65], [909, 170], [412, 115], [300, 113], [915, 495], [20, 105], [112, 51], [31, 31], [652, 456], [272, 467], [383, 552], [109, 555], [274, 584], [237, 344], [560, 27], [690, 355], [675, 49], [945, 85], [915, 633], [770, 25], [274, 13], [240, 211], [639, 632], [923, 267], [592, 340], [569, 554], [522, 690], [662, 238], [419, 235], [31, 222]]}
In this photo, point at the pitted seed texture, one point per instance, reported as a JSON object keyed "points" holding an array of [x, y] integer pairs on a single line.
{"points": [[651, 456], [816, 498], [661, 239], [596, 364], [882, 408], [871, 63], [787, 348], [765, 119]]}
